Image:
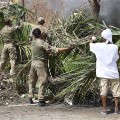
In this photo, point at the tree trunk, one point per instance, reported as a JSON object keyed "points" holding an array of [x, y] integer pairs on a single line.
{"points": [[95, 6]]}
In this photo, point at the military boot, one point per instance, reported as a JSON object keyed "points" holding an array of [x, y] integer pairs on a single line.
{"points": [[31, 101], [41, 103]]}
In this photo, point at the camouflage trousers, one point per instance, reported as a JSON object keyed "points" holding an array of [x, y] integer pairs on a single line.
{"points": [[38, 72], [8, 51]]}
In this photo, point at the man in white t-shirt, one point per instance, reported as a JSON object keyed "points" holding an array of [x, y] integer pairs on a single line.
{"points": [[106, 68]]}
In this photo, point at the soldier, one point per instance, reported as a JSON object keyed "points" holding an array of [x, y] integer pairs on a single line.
{"points": [[9, 49], [43, 30], [40, 50], [44, 34]]}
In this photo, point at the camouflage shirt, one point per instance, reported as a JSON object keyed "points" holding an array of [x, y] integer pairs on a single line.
{"points": [[40, 49], [8, 34]]}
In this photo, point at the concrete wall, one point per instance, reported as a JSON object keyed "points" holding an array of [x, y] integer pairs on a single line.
{"points": [[110, 12], [110, 9]]}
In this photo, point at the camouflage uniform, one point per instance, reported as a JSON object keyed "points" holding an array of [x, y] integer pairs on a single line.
{"points": [[38, 70], [9, 49]]}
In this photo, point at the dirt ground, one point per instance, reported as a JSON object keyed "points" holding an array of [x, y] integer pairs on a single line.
{"points": [[16, 107], [53, 112]]}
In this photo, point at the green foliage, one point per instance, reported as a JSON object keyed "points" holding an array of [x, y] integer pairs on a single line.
{"points": [[23, 55], [73, 72], [16, 13], [78, 81]]}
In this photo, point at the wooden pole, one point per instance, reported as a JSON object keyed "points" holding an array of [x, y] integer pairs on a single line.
{"points": [[23, 4]]}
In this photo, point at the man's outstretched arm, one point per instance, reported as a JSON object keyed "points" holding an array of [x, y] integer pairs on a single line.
{"points": [[63, 49]]}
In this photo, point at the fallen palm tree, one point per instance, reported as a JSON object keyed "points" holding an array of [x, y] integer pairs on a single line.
{"points": [[73, 73], [78, 84]]}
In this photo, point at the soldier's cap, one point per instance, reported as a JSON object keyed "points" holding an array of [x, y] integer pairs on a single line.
{"points": [[41, 20]]}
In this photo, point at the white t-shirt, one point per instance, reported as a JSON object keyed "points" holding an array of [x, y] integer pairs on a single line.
{"points": [[107, 56]]}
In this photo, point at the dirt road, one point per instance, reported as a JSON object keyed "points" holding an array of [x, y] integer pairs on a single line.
{"points": [[53, 112]]}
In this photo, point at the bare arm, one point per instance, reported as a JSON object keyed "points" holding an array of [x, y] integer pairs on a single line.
{"points": [[63, 49], [53, 49]]}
